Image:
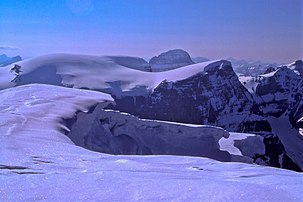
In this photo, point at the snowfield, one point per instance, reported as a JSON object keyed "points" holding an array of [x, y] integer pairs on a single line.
{"points": [[105, 74], [38, 162]]}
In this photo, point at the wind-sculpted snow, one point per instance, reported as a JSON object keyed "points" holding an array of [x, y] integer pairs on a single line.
{"points": [[37, 109], [38, 162], [97, 73]]}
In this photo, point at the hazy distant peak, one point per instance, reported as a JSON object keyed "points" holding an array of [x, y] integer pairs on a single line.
{"points": [[199, 59], [171, 56], [5, 60], [170, 60]]}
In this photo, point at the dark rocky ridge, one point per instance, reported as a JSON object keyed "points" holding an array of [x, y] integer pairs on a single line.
{"points": [[217, 97], [170, 60]]}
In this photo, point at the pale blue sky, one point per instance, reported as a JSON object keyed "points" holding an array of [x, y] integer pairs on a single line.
{"points": [[260, 29]]}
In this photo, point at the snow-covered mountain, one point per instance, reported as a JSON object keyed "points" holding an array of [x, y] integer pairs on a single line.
{"points": [[36, 155], [106, 74], [5, 60], [216, 96], [206, 93], [171, 59]]}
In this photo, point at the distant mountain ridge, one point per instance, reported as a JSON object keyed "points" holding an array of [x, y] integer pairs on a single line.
{"points": [[208, 93], [5, 60], [171, 59]]}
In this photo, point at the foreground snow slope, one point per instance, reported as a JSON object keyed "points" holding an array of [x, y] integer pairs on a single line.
{"points": [[105, 74], [38, 162]]}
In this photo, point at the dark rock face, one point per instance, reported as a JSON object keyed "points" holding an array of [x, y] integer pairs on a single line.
{"points": [[115, 133], [276, 156], [217, 97], [170, 60], [298, 66], [201, 99], [281, 93]]}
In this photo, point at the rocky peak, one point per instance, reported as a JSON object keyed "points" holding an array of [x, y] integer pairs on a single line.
{"points": [[270, 69], [170, 60], [298, 66]]}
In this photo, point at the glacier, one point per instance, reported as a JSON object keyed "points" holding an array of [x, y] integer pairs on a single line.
{"points": [[42, 163]]}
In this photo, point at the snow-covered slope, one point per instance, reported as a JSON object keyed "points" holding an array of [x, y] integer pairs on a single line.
{"points": [[37, 109], [169, 60], [93, 72], [38, 162]]}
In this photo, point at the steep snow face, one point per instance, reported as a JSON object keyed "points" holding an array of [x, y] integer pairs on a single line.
{"points": [[38, 162], [37, 109], [171, 59], [5, 60], [93, 72]]}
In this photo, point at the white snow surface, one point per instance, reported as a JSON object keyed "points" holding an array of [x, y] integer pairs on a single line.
{"points": [[38, 162], [96, 72], [37, 109], [249, 83]]}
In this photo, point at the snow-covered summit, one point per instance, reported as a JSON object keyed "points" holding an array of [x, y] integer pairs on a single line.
{"points": [[106, 74]]}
